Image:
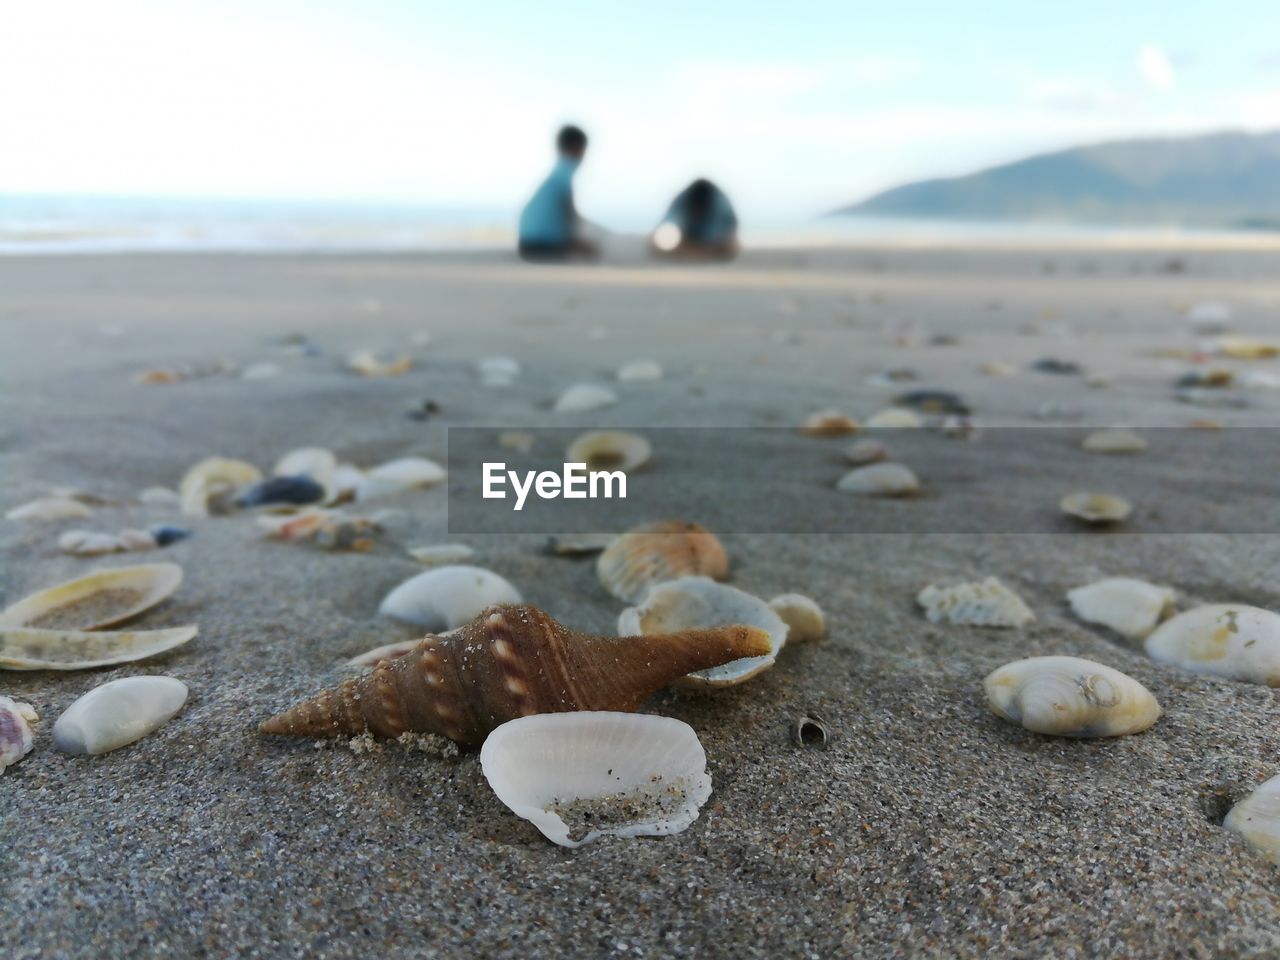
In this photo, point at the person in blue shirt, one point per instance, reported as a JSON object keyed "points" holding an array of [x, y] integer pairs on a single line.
{"points": [[550, 228], [700, 224]]}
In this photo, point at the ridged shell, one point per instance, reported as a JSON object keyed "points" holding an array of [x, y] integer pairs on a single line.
{"points": [[802, 615], [695, 603], [610, 450], [397, 476], [23, 648], [97, 600], [50, 508], [16, 738], [986, 604], [1257, 819], [447, 597], [118, 713], [509, 662], [1096, 507], [1070, 697], [213, 482], [1231, 640], [585, 396], [660, 551], [1131, 608], [1115, 440], [879, 480], [580, 776], [830, 423]]}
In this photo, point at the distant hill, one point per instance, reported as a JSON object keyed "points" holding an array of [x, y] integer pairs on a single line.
{"points": [[1221, 179]]}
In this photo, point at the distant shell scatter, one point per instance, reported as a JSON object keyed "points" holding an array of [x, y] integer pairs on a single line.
{"points": [[1231, 640], [802, 615], [660, 551], [96, 600], [16, 738], [447, 597], [1070, 697], [894, 418], [1131, 608], [986, 604], [585, 396], [117, 713], [1257, 819]]}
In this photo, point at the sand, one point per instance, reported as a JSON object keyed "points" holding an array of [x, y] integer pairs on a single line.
{"points": [[927, 827]]}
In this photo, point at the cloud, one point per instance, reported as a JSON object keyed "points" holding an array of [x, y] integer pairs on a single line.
{"points": [[1155, 69]]}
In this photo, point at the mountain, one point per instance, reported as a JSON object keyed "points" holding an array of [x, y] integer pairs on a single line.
{"points": [[1220, 179]]}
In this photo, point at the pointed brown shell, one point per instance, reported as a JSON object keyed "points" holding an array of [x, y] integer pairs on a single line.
{"points": [[511, 661], [660, 551]]}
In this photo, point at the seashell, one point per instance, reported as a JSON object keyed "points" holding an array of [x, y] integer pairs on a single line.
{"points": [[511, 661], [397, 476], [97, 600], [879, 480], [159, 377], [866, 451], [337, 532], [830, 423], [581, 544], [1256, 818], [367, 364], [50, 508], [585, 396], [163, 534], [135, 540], [117, 713], [211, 482], [497, 371], [294, 491], [388, 651], [802, 615], [694, 603], [933, 401], [260, 371], [610, 450], [87, 543], [25, 648], [1114, 441], [1070, 697], [1096, 507], [1247, 348], [437, 554], [986, 604], [997, 368], [1055, 365], [315, 462], [655, 552], [809, 730], [1210, 397], [894, 418], [16, 739], [447, 597], [1210, 312], [160, 497], [1131, 608], [1231, 640], [519, 440], [1206, 379], [581, 776], [295, 526], [346, 480], [639, 371]]}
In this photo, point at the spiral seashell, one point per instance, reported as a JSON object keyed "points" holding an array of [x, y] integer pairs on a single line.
{"points": [[1070, 697], [511, 661], [660, 551]]}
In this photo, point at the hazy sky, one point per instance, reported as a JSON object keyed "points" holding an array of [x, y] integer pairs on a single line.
{"points": [[794, 107]]}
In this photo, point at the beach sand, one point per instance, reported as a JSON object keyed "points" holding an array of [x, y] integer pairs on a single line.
{"points": [[928, 827]]}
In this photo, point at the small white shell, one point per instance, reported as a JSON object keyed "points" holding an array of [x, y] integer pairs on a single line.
{"points": [[25, 648], [894, 418], [802, 615], [50, 508], [1257, 819], [88, 543], [588, 774], [1096, 507], [315, 462], [1115, 440], [16, 738], [1070, 697], [214, 479], [1131, 608], [118, 713], [1231, 640], [367, 364], [447, 597], [986, 604], [639, 371], [689, 603], [879, 480], [399, 475], [437, 554], [866, 451], [497, 371], [96, 600], [585, 396], [610, 450]]}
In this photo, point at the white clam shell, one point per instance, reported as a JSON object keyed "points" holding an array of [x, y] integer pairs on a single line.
{"points": [[118, 713], [447, 597], [1257, 819], [1231, 640], [96, 600], [639, 371], [610, 450], [214, 479], [1131, 608], [894, 418], [585, 396], [50, 508], [1115, 440], [396, 476], [802, 615], [1070, 697], [25, 648], [583, 775], [866, 451], [1096, 507], [16, 738], [986, 604], [689, 603], [442, 553], [879, 480]]}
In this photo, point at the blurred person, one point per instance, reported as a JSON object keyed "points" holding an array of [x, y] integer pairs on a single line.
{"points": [[550, 228], [699, 225]]}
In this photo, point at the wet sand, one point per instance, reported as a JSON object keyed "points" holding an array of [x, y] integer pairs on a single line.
{"points": [[927, 827]]}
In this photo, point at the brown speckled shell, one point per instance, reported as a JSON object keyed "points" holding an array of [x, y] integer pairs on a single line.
{"points": [[660, 551]]}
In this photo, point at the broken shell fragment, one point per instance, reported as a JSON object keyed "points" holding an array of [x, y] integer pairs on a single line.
{"points": [[866, 451], [895, 418], [438, 554], [50, 508], [610, 450], [639, 371], [1070, 697], [655, 552], [212, 483], [117, 713], [585, 396], [1096, 508], [802, 615], [879, 480], [97, 600], [580, 776], [16, 738], [1256, 818], [447, 597], [986, 604], [367, 364], [830, 423], [694, 603], [1231, 640], [809, 730], [1114, 441], [1131, 608], [397, 476], [25, 648]]}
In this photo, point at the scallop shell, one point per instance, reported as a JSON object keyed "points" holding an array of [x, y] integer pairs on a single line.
{"points": [[1256, 818], [1131, 608], [117, 713], [315, 462], [585, 396], [16, 738], [694, 603], [866, 451], [1113, 441], [986, 604], [97, 600], [879, 480], [1096, 507], [397, 476], [656, 552], [1231, 640], [830, 423], [1070, 697], [25, 648], [580, 776], [447, 597], [437, 554], [894, 418], [639, 371], [610, 450], [212, 482], [50, 508], [802, 615]]}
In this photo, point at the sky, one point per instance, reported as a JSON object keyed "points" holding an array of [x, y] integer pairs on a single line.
{"points": [[794, 108]]}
